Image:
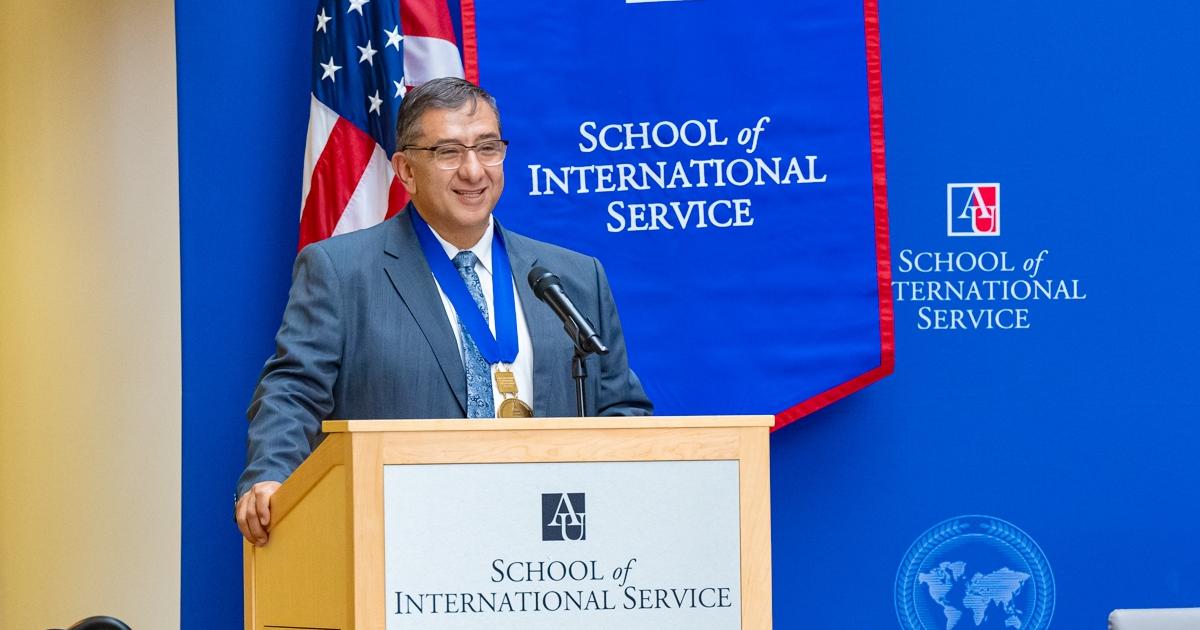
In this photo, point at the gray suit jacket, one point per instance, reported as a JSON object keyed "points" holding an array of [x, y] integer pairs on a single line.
{"points": [[365, 335]]}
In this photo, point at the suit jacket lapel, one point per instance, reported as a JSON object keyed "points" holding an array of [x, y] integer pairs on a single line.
{"points": [[542, 324], [410, 275]]}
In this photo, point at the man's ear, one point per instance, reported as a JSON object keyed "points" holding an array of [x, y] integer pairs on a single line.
{"points": [[404, 171]]}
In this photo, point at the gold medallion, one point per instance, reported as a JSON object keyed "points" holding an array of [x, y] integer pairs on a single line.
{"points": [[514, 408]]}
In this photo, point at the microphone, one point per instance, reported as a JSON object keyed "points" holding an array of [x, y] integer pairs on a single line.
{"points": [[548, 288]]}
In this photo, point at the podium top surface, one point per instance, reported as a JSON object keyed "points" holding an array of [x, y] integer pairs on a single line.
{"points": [[536, 424]]}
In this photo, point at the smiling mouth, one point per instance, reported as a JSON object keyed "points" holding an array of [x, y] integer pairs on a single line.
{"points": [[471, 195]]}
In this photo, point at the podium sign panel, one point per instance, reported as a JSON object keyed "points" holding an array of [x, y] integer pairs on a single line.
{"points": [[585, 545]]}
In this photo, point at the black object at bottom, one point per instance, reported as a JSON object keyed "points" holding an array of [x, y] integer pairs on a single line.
{"points": [[102, 622]]}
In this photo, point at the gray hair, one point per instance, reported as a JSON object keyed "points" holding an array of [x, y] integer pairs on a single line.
{"points": [[443, 93]]}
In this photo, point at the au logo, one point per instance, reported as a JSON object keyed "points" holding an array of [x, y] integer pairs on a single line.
{"points": [[974, 572], [563, 516], [973, 209]]}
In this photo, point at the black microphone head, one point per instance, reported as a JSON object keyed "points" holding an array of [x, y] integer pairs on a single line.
{"points": [[541, 279]]}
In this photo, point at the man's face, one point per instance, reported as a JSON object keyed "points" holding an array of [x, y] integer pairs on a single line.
{"points": [[457, 203]]}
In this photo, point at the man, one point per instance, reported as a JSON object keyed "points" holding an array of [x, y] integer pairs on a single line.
{"points": [[412, 319]]}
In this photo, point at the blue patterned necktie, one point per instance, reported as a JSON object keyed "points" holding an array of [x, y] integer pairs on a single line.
{"points": [[479, 373]]}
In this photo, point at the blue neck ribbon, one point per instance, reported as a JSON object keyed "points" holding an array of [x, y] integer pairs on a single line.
{"points": [[501, 348]]}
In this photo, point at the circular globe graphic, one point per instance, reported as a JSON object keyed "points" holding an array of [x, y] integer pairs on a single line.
{"points": [[973, 572]]}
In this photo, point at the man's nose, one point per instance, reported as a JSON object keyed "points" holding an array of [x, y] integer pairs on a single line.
{"points": [[471, 168]]}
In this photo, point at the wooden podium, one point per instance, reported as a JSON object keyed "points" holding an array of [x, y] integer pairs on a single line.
{"points": [[324, 567]]}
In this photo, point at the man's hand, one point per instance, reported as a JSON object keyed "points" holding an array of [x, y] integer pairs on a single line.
{"points": [[253, 511]]}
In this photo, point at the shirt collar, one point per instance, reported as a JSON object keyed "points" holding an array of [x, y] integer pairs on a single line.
{"points": [[482, 249]]}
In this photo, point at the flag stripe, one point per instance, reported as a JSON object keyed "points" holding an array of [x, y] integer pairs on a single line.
{"points": [[397, 197], [428, 58], [334, 180], [422, 18], [321, 120], [369, 203]]}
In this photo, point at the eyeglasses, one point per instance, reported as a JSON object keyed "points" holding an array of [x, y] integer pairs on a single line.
{"points": [[451, 155]]}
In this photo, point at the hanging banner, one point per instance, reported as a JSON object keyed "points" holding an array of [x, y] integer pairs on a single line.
{"points": [[726, 166]]}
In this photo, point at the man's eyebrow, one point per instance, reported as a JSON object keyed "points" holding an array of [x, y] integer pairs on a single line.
{"points": [[490, 135]]}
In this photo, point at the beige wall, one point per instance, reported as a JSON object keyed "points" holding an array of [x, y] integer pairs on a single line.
{"points": [[89, 313]]}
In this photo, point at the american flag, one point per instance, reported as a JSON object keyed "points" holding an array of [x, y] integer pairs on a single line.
{"points": [[366, 55]]}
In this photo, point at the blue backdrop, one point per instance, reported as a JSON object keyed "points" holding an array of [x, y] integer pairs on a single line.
{"points": [[1078, 429]]}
